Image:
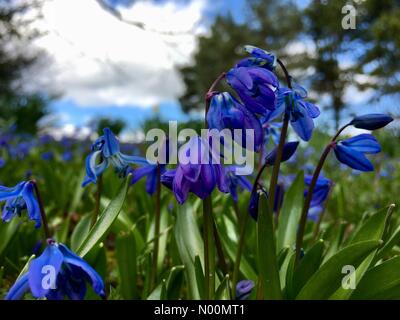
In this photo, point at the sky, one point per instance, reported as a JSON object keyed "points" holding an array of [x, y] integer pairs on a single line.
{"points": [[102, 67]]}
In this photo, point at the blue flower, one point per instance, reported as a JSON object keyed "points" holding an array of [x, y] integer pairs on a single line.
{"points": [[289, 149], [243, 289], [227, 113], [235, 181], [19, 198], [150, 172], [106, 150], [57, 273], [260, 58], [255, 86], [371, 121], [48, 156], [301, 113], [67, 156], [320, 194], [2, 162], [351, 151], [200, 175]]}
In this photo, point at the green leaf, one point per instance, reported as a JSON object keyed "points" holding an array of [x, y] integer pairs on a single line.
{"points": [[393, 240], [328, 277], [7, 231], [380, 282], [371, 229], [229, 241], [290, 213], [106, 219], [199, 275], [80, 232], [269, 283], [222, 292], [308, 265], [126, 261], [174, 282], [190, 245]]}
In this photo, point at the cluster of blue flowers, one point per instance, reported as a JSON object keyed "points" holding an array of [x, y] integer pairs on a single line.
{"points": [[260, 104]]}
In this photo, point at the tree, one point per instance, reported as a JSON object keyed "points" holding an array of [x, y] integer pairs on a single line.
{"points": [[23, 108], [270, 24]]}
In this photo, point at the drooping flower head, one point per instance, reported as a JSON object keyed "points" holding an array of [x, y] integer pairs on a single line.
{"points": [[20, 198], [56, 274], [301, 113], [254, 81], [106, 151], [352, 151], [227, 113], [198, 173], [372, 121]]}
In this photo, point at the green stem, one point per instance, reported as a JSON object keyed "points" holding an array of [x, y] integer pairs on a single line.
{"points": [[282, 140], [209, 250], [153, 277], [239, 252], [96, 211], [307, 201], [220, 251], [42, 212]]}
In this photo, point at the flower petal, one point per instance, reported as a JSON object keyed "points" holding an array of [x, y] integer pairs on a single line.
{"points": [[19, 288], [7, 193], [312, 109], [73, 259], [111, 144], [46, 265], [133, 159], [180, 186], [365, 143], [141, 172], [353, 158], [289, 149], [93, 170], [303, 125], [32, 204]]}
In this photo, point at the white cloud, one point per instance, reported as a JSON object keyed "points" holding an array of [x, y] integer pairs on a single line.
{"points": [[95, 59]]}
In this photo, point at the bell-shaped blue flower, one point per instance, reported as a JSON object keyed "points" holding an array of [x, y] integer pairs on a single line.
{"points": [[200, 175], [56, 274], [243, 289], [351, 151], [289, 149], [301, 113], [255, 86], [19, 198], [226, 112], [236, 181], [150, 172], [372, 121], [106, 151]]}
